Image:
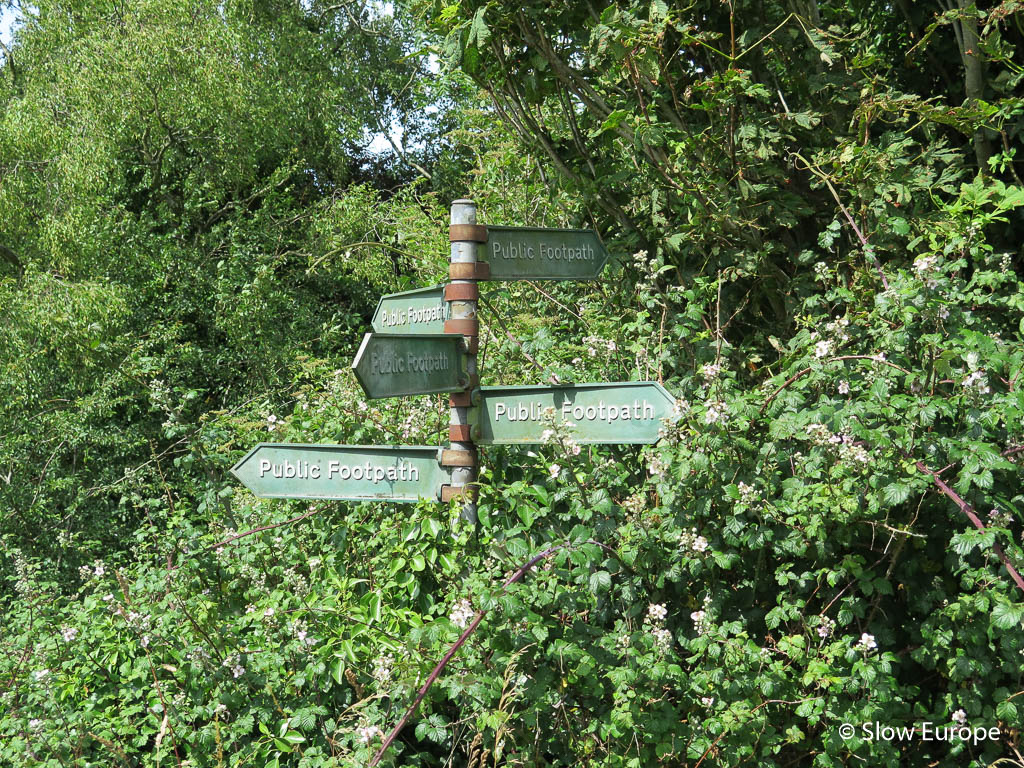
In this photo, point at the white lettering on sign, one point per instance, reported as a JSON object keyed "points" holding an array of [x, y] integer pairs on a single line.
{"points": [[566, 252], [396, 364], [373, 473], [549, 251], [512, 250], [602, 411], [411, 315]]}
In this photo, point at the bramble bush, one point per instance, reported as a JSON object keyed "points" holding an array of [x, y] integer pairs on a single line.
{"points": [[816, 248]]}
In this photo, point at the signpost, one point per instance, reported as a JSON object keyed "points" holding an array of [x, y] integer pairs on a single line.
{"points": [[535, 253], [422, 311], [391, 366], [349, 472], [626, 412], [424, 341]]}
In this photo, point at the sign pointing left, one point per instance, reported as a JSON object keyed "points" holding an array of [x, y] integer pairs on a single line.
{"points": [[349, 472], [391, 366]]}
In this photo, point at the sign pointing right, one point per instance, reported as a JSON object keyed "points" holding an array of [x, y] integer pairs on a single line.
{"points": [[537, 253], [624, 412]]}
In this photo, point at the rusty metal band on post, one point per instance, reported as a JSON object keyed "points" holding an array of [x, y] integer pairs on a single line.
{"points": [[461, 292], [454, 458], [460, 399], [449, 492], [477, 270], [476, 233], [460, 433], [467, 326]]}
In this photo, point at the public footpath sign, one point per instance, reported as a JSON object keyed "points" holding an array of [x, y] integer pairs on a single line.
{"points": [[422, 311], [535, 253], [391, 366], [348, 472], [626, 412]]}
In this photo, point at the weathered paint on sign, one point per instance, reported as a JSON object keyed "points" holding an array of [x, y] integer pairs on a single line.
{"points": [[536, 253], [349, 472], [391, 366], [422, 311], [625, 412]]}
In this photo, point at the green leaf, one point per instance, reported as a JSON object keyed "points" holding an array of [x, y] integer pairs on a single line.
{"points": [[600, 581], [1008, 615], [338, 670], [897, 493]]}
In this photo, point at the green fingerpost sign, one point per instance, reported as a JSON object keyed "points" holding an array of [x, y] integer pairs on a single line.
{"points": [[537, 253], [626, 412], [345, 472], [422, 311], [391, 366]]}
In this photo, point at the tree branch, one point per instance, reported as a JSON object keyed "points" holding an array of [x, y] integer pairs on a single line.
{"points": [[12, 258]]}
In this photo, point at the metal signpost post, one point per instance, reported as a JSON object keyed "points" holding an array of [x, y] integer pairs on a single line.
{"points": [[463, 293], [628, 412], [349, 472]]}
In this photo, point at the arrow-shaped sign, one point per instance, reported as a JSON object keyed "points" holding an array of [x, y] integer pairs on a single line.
{"points": [[536, 253], [391, 366], [421, 311], [625, 412], [352, 472]]}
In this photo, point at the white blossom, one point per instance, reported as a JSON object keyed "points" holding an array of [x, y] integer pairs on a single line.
{"points": [[748, 494], [462, 614], [925, 264], [382, 668], [866, 642], [238, 670], [554, 470], [960, 717], [822, 348], [843, 388], [710, 371], [978, 381], [368, 733], [716, 413], [699, 621], [657, 466], [680, 408], [656, 612], [662, 638], [68, 633]]}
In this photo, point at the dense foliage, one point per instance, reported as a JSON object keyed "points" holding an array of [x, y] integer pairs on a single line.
{"points": [[816, 214]]}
